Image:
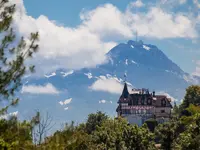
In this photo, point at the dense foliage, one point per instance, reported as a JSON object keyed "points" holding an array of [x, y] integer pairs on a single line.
{"points": [[15, 135], [112, 134], [192, 97]]}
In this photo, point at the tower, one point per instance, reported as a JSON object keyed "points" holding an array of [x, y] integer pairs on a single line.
{"points": [[125, 77], [125, 92]]}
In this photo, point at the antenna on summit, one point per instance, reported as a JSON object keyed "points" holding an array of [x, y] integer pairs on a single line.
{"points": [[125, 76], [136, 36]]}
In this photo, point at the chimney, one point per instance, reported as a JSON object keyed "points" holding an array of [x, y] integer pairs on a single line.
{"points": [[153, 93]]}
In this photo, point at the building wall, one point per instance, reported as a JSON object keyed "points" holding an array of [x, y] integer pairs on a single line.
{"points": [[160, 109], [137, 119], [134, 119], [140, 115]]}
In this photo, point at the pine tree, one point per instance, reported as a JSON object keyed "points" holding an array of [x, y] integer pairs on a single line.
{"points": [[12, 58]]}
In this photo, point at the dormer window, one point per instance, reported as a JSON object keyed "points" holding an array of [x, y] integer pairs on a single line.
{"points": [[149, 102], [163, 103], [162, 111]]}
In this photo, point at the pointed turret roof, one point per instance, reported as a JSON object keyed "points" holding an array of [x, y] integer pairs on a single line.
{"points": [[125, 92]]}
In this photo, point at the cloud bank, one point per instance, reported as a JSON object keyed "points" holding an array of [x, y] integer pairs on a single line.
{"points": [[40, 89], [197, 70], [109, 84]]}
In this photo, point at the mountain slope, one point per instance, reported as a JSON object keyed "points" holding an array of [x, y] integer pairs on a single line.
{"points": [[146, 66]]}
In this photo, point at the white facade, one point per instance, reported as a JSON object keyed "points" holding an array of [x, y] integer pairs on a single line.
{"points": [[139, 114]]}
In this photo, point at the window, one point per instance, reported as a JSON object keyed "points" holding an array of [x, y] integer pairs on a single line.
{"points": [[163, 102], [142, 100], [142, 111], [133, 111], [149, 101], [136, 111], [162, 111]]}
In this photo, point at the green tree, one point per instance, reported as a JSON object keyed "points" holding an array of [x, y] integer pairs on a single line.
{"points": [[117, 134], [15, 135], [189, 139], [70, 138], [151, 123], [176, 110], [167, 133], [12, 57], [192, 96], [94, 120]]}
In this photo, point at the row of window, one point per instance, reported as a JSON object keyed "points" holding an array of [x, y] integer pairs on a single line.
{"points": [[140, 102], [138, 111], [144, 102]]}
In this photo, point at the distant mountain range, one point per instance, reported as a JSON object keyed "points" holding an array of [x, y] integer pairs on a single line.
{"points": [[91, 89]]}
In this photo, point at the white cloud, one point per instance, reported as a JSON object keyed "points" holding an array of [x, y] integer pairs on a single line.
{"points": [[160, 24], [66, 108], [61, 103], [137, 3], [133, 62], [89, 75], [107, 85], [51, 75], [197, 70], [40, 89], [102, 101], [107, 21], [64, 47], [6, 116], [65, 102], [86, 44], [64, 74]]}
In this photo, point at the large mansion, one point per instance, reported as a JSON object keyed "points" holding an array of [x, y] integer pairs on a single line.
{"points": [[139, 105]]}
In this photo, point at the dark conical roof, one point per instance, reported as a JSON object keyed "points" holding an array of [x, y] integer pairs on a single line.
{"points": [[125, 92]]}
